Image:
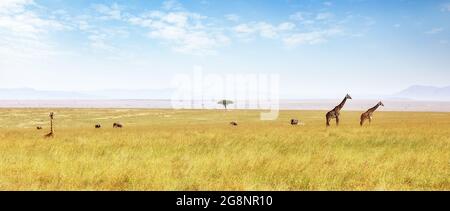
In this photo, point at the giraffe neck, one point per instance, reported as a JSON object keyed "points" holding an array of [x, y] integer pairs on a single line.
{"points": [[374, 108], [340, 106]]}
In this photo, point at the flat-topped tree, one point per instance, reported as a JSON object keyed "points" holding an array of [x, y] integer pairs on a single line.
{"points": [[225, 103]]}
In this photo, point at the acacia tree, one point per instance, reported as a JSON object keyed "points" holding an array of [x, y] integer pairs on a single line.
{"points": [[225, 103]]}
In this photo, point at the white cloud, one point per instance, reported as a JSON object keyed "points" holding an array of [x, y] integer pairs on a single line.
{"points": [[14, 6], [324, 16], [445, 7], [23, 31], [112, 12], [82, 22], [435, 30], [308, 18], [172, 5], [266, 30], [298, 16], [99, 37], [28, 23], [263, 29], [311, 38], [306, 28], [15, 48], [243, 29], [98, 41], [184, 31], [15, 18], [232, 17], [103, 39], [286, 26], [304, 38], [369, 21], [328, 4], [172, 25]]}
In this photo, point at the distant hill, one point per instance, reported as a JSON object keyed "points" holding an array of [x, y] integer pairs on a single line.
{"points": [[134, 94], [425, 93]]}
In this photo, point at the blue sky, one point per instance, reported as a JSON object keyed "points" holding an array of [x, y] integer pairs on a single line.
{"points": [[318, 48]]}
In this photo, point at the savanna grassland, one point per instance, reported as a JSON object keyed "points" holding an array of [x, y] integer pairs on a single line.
{"points": [[199, 150]]}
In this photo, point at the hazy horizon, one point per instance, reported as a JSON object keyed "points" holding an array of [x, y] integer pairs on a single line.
{"points": [[412, 93]]}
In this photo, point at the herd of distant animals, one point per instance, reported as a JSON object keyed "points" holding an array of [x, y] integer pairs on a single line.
{"points": [[333, 114], [336, 112]]}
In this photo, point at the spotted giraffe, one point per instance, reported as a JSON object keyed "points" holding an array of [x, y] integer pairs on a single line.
{"points": [[51, 134], [334, 114], [368, 114]]}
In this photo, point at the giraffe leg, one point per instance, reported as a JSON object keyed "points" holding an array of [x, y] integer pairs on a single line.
{"points": [[337, 120], [370, 120], [328, 119], [364, 117]]}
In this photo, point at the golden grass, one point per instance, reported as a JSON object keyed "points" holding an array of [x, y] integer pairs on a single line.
{"points": [[198, 150]]}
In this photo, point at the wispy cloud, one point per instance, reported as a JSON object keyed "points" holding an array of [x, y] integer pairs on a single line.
{"points": [[311, 38], [172, 5], [306, 28], [328, 4], [263, 29], [103, 40], [23, 31], [112, 12], [435, 30], [324, 16], [314, 18], [244, 29], [14, 6], [298, 16], [97, 37], [184, 31], [445, 7], [171, 25], [98, 41], [232, 17], [15, 18]]}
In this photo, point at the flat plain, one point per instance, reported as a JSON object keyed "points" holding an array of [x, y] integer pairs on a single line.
{"points": [[198, 150]]}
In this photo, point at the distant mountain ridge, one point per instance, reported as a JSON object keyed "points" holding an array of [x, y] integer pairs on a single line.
{"points": [[418, 92]]}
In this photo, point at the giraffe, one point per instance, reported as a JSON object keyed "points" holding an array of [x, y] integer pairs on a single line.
{"points": [[334, 114], [50, 135], [368, 114]]}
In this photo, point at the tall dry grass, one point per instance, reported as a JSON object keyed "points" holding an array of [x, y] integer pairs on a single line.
{"points": [[198, 150]]}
